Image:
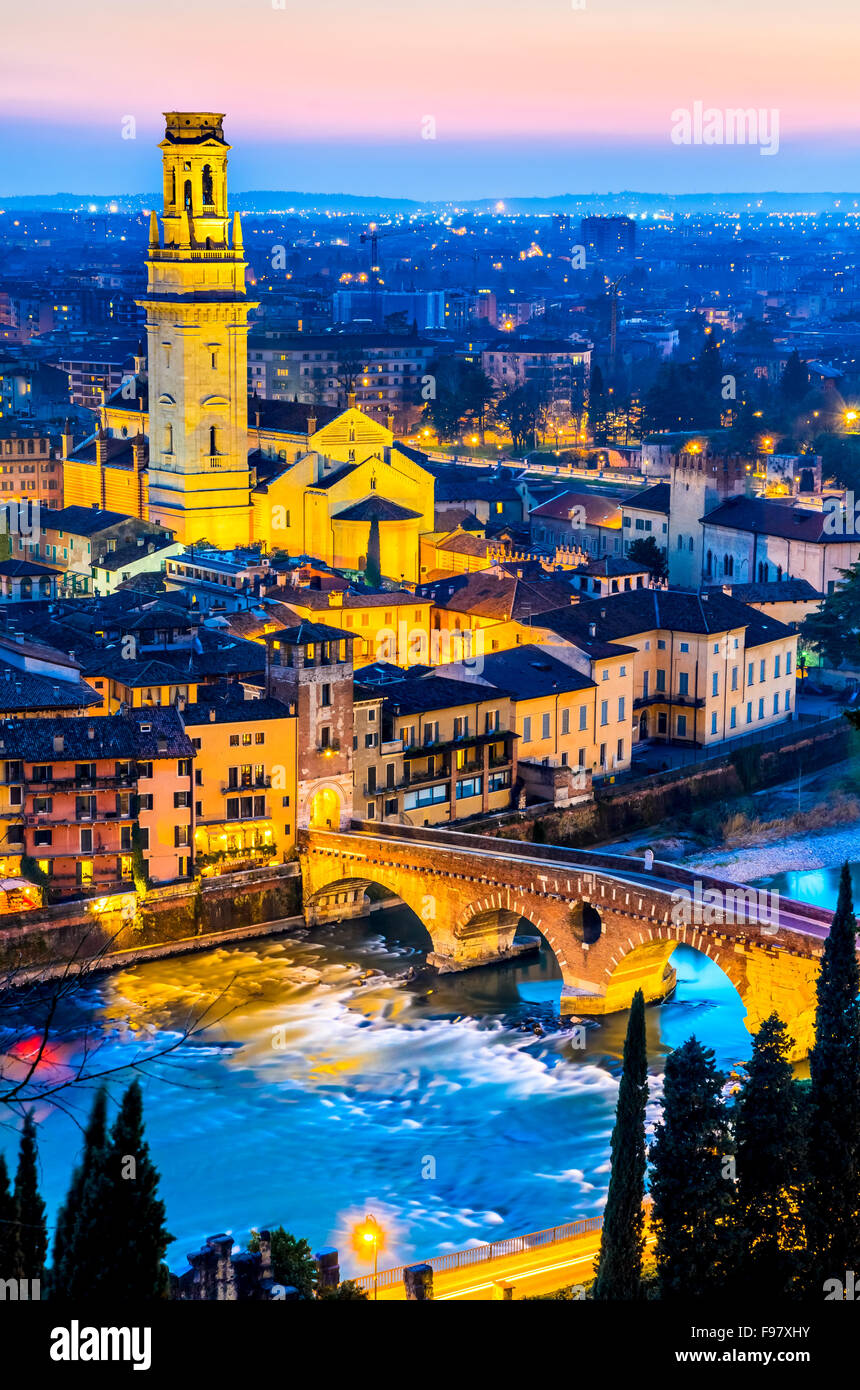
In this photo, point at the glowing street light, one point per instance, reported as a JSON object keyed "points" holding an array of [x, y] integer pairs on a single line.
{"points": [[371, 1234]]}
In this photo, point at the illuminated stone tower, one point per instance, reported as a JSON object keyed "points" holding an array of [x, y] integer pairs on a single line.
{"points": [[197, 331]]}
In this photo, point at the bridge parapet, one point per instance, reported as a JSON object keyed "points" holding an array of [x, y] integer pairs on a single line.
{"points": [[612, 924]]}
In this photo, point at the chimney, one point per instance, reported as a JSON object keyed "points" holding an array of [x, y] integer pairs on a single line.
{"points": [[350, 401], [59, 743], [212, 716], [592, 629], [56, 692], [389, 421], [312, 425], [101, 447], [91, 733]]}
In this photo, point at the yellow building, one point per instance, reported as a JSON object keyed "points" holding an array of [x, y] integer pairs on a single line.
{"points": [[707, 668], [355, 499], [431, 750], [392, 627], [245, 779]]}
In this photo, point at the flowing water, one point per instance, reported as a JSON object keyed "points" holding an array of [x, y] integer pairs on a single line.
{"points": [[320, 1091]]}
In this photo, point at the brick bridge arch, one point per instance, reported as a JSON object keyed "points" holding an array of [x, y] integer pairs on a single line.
{"points": [[609, 924]]}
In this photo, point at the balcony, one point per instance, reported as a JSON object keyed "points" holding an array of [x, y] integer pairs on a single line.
{"points": [[662, 697], [243, 788]]}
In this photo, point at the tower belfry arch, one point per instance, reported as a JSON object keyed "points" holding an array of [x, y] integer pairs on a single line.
{"points": [[197, 331]]}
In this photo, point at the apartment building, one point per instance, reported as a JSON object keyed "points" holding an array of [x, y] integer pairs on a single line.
{"points": [[31, 468], [706, 668], [244, 778], [82, 796], [95, 549], [384, 370], [430, 750], [392, 626], [646, 514]]}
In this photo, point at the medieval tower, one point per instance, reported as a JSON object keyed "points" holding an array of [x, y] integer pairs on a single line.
{"points": [[197, 333]]}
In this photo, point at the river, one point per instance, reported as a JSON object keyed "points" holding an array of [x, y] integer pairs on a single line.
{"points": [[324, 1093]]}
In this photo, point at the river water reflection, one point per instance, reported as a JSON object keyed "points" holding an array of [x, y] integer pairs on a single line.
{"points": [[326, 1092]]}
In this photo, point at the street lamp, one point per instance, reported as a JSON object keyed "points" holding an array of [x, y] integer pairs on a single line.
{"points": [[370, 1234]]}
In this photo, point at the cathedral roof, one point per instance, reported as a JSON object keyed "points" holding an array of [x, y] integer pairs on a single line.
{"points": [[376, 509]]}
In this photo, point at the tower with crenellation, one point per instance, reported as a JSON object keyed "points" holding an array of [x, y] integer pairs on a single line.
{"points": [[197, 334]]}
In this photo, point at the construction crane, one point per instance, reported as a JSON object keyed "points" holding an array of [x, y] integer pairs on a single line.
{"points": [[373, 235]]}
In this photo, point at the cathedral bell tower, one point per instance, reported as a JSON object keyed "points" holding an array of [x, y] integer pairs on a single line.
{"points": [[197, 331]]}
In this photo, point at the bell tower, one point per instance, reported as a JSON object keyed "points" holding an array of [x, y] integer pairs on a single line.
{"points": [[197, 332]]}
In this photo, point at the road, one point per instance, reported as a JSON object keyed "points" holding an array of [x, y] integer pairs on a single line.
{"points": [[528, 1272]]}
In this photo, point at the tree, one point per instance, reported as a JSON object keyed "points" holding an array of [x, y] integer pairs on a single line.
{"points": [[837, 621], [373, 560], [794, 382], [73, 1251], [31, 1237], [520, 410], [126, 1213], [767, 1226], [645, 551], [833, 1197], [689, 1179], [8, 1225], [619, 1271], [597, 405], [347, 1289], [293, 1264]]}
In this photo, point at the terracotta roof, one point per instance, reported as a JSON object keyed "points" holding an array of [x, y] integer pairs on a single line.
{"points": [[768, 518], [376, 509], [145, 734], [651, 499], [599, 511]]}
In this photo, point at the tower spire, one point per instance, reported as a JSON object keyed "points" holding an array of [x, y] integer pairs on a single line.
{"points": [[154, 239], [237, 232]]}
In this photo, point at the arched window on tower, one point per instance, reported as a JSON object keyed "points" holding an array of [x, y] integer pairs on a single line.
{"points": [[213, 439], [168, 439], [173, 188], [187, 203], [207, 185]]}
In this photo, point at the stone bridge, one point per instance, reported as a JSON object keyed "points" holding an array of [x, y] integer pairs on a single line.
{"points": [[611, 924]]}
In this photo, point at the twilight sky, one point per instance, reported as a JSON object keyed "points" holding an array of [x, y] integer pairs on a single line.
{"points": [[529, 97]]}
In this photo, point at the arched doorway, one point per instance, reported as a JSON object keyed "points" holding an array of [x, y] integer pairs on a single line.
{"points": [[325, 810]]}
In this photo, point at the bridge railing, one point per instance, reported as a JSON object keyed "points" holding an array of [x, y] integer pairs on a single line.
{"points": [[581, 859], [482, 1254]]}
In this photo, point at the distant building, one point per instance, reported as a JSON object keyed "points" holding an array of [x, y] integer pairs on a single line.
{"points": [[608, 236]]}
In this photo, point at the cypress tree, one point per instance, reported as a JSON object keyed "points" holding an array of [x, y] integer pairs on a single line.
{"points": [[31, 1241], [690, 1176], [619, 1271], [767, 1228], [833, 1197], [73, 1250], [8, 1224], [138, 1238]]}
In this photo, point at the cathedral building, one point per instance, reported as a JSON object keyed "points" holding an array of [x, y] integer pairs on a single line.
{"points": [[181, 445]]}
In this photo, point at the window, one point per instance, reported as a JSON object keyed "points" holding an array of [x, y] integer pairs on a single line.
{"points": [[86, 841], [749, 711], [246, 740], [733, 718], [181, 835], [776, 703], [370, 740], [259, 738], [234, 740], [145, 803], [183, 767], [602, 755], [619, 751], [761, 709], [143, 836], [685, 646], [714, 722], [469, 786], [683, 683], [715, 683], [325, 696], [42, 772], [620, 708], [661, 680], [565, 721], [734, 678], [544, 726], [604, 712], [181, 800], [498, 781], [682, 726], [750, 673], [761, 670], [661, 644], [527, 729], [425, 796], [788, 699], [43, 837]]}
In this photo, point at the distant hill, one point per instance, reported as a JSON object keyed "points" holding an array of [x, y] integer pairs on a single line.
{"points": [[263, 201]]}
